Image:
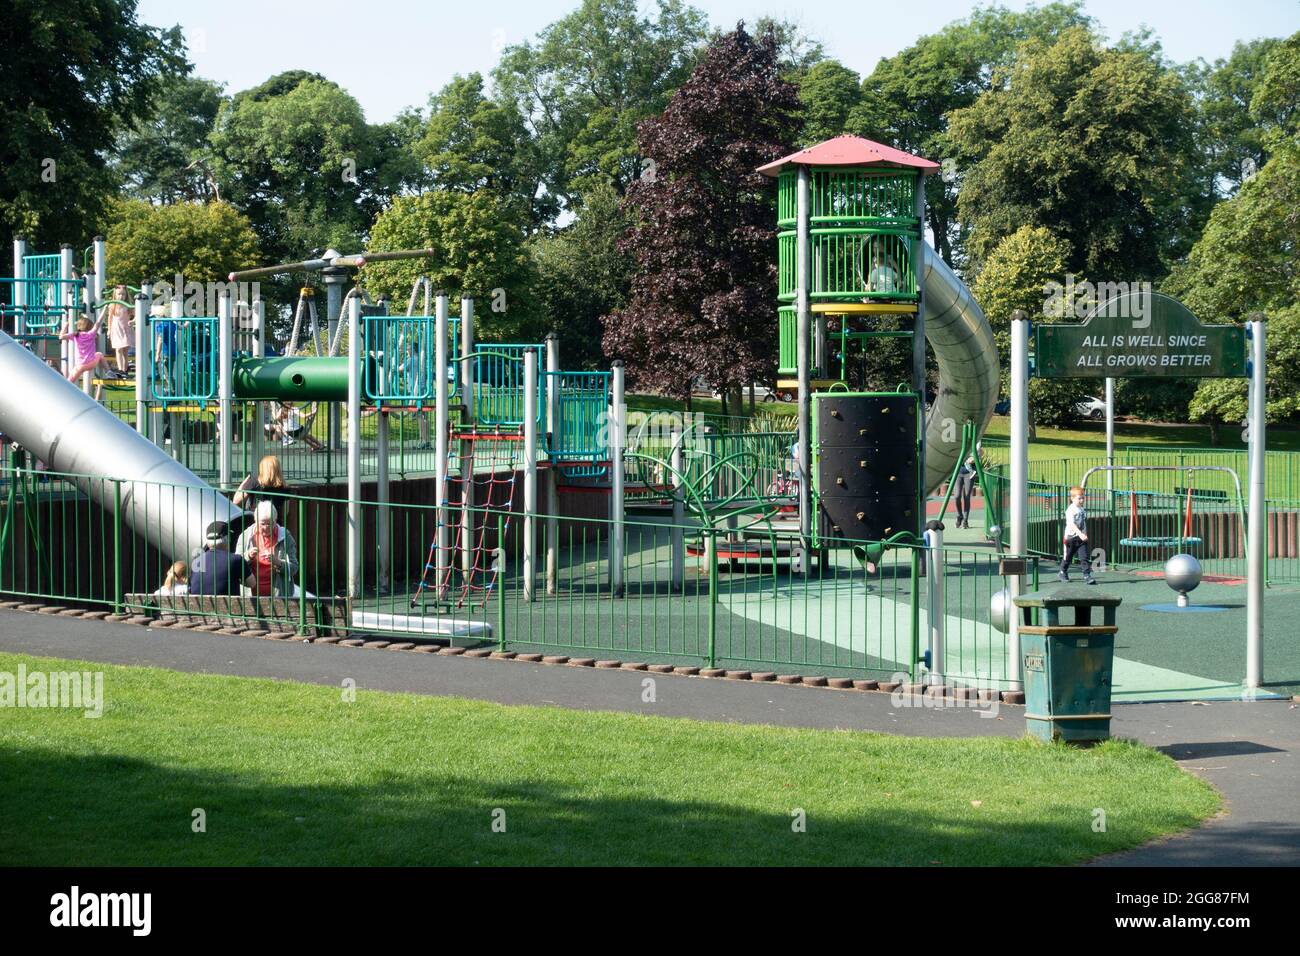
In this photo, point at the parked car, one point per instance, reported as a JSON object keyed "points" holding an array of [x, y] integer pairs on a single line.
{"points": [[1003, 407], [1090, 407], [762, 393]]}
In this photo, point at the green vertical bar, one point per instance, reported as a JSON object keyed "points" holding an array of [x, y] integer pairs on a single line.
{"points": [[713, 594], [117, 546], [501, 604], [916, 613], [302, 569]]}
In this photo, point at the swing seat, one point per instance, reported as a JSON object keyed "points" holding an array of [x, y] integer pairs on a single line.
{"points": [[1158, 542]]}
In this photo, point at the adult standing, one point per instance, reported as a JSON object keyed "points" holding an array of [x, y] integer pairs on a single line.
{"points": [[965, 487]]}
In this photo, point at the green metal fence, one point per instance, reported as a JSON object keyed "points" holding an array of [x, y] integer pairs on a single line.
{"points": [[729, 604]]}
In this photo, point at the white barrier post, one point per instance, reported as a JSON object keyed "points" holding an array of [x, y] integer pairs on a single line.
{"points": [[441, 559], [1257, 526], [354, 448], [467, 421], [552, 471], [618, 434], [935, 609], [530, 471], [1019, 481], [225, 388]]}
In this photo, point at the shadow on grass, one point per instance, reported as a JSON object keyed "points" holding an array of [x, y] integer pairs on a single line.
{"points": [[59, 810]]}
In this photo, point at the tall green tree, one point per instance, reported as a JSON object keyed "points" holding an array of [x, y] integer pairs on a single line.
{"points": [[1232, 139], [830, 93], [479, 253], [75, 72], [472, 142], [590, 78], [296, 155], [164, 157], [1090, 142], [907, 99], [704, 291], [1022, 273], [582, 275], [204, 242]]}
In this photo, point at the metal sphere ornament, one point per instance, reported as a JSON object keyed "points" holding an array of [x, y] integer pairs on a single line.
{"points": [[1183, 574], [1000, 608]]}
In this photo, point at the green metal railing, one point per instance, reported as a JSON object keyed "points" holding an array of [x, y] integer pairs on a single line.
{"points": [[183, 359], [731, 605]]}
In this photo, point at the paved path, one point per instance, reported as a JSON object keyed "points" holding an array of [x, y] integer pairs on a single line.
{"points": [[1251, 752]]}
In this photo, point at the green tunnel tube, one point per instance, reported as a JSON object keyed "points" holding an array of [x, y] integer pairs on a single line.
{"points": [[309, 378]]}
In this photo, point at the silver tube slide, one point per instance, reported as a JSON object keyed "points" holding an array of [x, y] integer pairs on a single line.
{"points": [[962, 340], [161, 499]]}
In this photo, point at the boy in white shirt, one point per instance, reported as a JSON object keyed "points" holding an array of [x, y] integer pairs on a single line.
{"points": [[1076, 538]]}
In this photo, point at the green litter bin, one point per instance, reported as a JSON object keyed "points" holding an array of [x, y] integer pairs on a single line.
{"points": [[1067, 666]]}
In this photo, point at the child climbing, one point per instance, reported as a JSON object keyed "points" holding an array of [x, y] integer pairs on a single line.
{"points": [[88, 357]]}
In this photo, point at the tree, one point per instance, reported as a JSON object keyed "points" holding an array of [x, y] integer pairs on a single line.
{"points": [[1233, 141], [164, 157], [829, 93], [590, 78], [74, 72], [471, 142], [204, 242], [297, 157], [1092, 143], [907, 99], [704, 291], [1244, 262], [480, 253], [1021, 273], [582, 276]]}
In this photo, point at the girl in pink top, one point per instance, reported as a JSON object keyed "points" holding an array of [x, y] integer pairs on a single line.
{"points": [[88, 357]]}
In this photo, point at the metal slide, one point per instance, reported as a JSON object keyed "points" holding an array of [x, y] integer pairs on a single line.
{"points": [[161, 499], [962, 340]]}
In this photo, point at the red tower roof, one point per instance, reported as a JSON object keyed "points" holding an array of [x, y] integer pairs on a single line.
{"points": [[850, 151]]}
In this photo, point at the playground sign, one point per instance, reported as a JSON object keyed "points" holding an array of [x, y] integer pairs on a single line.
{"points": [[1140, 335]]}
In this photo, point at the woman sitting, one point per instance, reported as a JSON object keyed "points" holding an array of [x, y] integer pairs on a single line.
{"points": [[270, 553]]}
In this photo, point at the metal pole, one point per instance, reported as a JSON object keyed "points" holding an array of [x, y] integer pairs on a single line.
{"points": [[1110, 432], [1019, 477], [382, 495], [552, 472], [225, 388], [142, 364], [467, 421], [354, 449], [20, 291], [618, 435], [101, 268], [935, 609], [676, 537], [1257, 528], [441, 559], [66, 299], [803, 310], [174, 374], [259, 350], [918, 329], [530, 471], [334, 280]]}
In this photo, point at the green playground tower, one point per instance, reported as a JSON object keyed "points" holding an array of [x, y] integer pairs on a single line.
{"points": [[850, 224]]}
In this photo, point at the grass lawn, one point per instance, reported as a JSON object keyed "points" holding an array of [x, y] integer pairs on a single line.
{"points": [[290, 773]]}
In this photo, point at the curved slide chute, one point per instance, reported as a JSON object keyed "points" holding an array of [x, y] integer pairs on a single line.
{"points": [[161, 499], [962, 340]]}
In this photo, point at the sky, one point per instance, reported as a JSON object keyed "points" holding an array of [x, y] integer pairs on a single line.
{"points": [[391, 54]]}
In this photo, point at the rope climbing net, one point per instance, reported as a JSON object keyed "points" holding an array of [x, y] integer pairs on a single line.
{"points": [[473, 520]]}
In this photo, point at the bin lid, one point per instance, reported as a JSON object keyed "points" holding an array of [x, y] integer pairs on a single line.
{"points": [[1069, 595]]}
